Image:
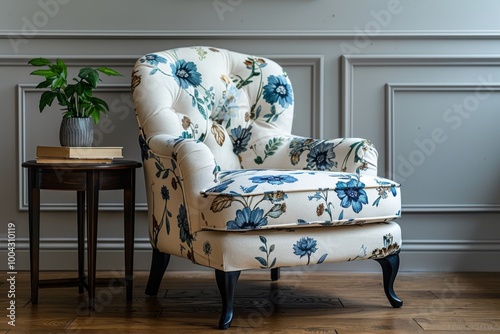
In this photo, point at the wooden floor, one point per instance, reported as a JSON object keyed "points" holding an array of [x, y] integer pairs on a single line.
{"points": [[308, 302]]}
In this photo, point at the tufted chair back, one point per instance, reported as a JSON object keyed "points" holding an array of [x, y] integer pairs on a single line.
{"points": [[227, 100]]}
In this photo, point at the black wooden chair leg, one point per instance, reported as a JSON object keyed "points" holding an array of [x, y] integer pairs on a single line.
{"points": [[159, 264], [226, 281], [275, 274], [390, 267]]}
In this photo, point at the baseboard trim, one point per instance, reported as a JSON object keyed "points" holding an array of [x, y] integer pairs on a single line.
{"points": [[411, 260]]}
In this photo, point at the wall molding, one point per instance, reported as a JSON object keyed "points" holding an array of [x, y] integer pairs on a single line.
{"points": [[250, 34], [391, 89], [350, 62]]}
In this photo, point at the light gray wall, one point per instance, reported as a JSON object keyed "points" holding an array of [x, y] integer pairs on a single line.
{"points": [[421, 79]]}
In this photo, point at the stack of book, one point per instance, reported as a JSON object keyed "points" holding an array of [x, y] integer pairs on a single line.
{"points": [[78, 155]]}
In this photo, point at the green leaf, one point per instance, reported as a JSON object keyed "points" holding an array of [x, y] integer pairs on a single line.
{"points": [[96, 116], [57, 83], [262, 249], [83, 89], [273, 263], [271, 249], [263, 239], [61, 99], [94, 79], [99, 102], [89, 75], [39, 62], [62, 66], [68, 114], [84, 72], [69, 90], [44, 84], [46, 99], [44, 73], [109, 71]]}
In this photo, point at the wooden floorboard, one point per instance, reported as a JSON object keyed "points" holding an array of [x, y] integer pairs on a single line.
{"points": [[311, 302]]}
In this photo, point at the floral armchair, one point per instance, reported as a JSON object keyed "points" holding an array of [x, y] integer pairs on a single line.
{"points": [[230, 188]]}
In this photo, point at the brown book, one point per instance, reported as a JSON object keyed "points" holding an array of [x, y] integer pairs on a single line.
{"points": [[79, 152], [76, 161]]}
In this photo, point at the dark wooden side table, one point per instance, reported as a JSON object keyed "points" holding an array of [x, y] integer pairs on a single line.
{"points": [[87, 180]]}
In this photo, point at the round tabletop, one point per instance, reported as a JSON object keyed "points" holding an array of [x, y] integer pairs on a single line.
{"points": [[116, 164]]}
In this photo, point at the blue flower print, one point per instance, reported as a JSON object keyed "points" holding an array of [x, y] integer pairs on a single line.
{"points": [[153, 59], [182, 223], [321, 156], [305, 246], [352, 193], [185, 73], [274, 179], [220, 187], [278, 90], [240, 138], [247, 219]]}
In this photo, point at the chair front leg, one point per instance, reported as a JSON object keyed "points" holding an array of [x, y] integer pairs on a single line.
{"points": [[226, 281], [159, 264], [390, 267]]}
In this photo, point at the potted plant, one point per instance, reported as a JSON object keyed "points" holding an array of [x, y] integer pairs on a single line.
{"points": [[81, 108]]}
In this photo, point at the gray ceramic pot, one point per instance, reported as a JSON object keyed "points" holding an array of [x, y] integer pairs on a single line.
{"points": [[76, 132]]}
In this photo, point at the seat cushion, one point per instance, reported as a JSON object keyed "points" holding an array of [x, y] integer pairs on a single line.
{"points": [[259, 199]]}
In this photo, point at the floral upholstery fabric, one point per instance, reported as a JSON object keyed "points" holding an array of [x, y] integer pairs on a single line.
{"points": [[223, 170], [282, 198], [230, 251]]}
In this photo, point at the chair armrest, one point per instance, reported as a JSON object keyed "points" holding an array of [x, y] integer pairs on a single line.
{"points": [[193, 159], [352, 155]]}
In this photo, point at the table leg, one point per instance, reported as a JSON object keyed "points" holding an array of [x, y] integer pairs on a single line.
{"points": [[92, 210], [34, 233], [129, 220], [80, 200]]}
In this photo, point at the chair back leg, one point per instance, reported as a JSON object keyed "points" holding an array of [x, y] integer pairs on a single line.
{"points": [[159, 263], [275, 274]]}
